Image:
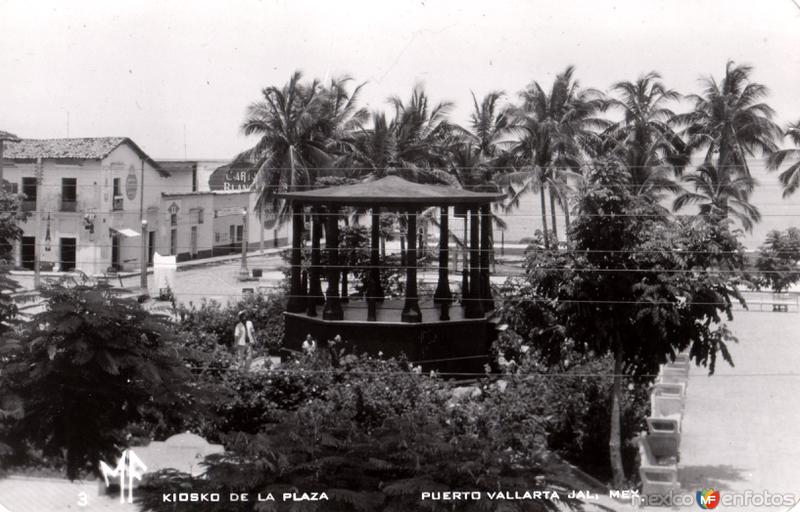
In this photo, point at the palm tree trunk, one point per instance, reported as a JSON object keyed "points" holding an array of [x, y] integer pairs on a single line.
{"points": [[615, 437], [544, 218], [291, 171], [553, 216]]}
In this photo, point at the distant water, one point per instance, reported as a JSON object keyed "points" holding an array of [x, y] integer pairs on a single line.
{"points": [[776, 212]]}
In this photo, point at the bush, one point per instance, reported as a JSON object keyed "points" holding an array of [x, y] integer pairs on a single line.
{"points": [[213, 319], [373, 437], [571, 401], [87, 367]]}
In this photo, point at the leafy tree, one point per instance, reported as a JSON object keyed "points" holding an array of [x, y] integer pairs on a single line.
{"points": [[790, 178], [720, 196], [88, 365], [11, 216], [778, 259], [636, 286]]}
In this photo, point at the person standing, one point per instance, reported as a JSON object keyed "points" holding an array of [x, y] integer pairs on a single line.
{"points": [[244, 337]]}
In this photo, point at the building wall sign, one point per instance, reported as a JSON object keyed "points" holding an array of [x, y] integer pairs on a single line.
{"points": [[231, 178], [131, 184]]}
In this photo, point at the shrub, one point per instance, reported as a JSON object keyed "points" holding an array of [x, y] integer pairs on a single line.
{"points": [[211, 318], [376, 437], [570, 401], [88, 365]]}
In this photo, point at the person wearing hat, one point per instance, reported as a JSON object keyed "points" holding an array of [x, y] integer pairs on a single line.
{"points": [[244, 336]]}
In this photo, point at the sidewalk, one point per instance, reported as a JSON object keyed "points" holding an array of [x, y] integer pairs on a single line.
{"points": [[27, 494], [741, 427]]}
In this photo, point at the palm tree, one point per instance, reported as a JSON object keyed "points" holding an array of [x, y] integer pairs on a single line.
{"points": [[730, 122], [790, 178], [371, 150], [489, 125], [557, 129], [424, 138], [644, 140], [299, 127], [719, 195]]}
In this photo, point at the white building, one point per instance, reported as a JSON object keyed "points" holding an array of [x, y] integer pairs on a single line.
{"points": [[87, 211]]}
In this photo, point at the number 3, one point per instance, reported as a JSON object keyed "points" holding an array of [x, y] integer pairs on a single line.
{"points": [[83, 499]]}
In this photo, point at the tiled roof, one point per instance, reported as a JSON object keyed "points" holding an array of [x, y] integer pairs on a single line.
{"points": [[94, 148], [8, 136], [87, 148]]}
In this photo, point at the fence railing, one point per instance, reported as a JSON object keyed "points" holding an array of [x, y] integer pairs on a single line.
{"points": [[788, 302]]}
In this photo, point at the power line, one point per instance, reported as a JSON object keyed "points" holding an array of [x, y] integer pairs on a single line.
{"points": [[288, 215], [509, 376]]}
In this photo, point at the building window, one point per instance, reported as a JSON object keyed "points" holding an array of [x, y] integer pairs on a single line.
{"points": [[173, 219], [196, 215], [117, 204], [28, 252], [69, 194], [29, 191]]}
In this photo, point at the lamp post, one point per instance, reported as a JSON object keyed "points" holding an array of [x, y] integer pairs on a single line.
{"points": [[243, 272], [143, 257]]}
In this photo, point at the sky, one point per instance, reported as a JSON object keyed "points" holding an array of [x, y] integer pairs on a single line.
{"points": [[167, 72]]}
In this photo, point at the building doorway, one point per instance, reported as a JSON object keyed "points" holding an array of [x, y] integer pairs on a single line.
{"points": [[173, 242], [193, 242], [68, 251], [115, 252], [151, 247], [27, 252]]}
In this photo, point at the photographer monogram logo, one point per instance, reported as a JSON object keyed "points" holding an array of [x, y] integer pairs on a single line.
{"points": [[130, 465]]}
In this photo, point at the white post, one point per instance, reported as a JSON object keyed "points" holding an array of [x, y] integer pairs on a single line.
{"points": [[37, 238], [143, 263], [243, 272]]}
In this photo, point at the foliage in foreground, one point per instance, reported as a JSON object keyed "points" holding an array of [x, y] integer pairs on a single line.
{"points": [[570, 400], [86, 368], [373, 436]]}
